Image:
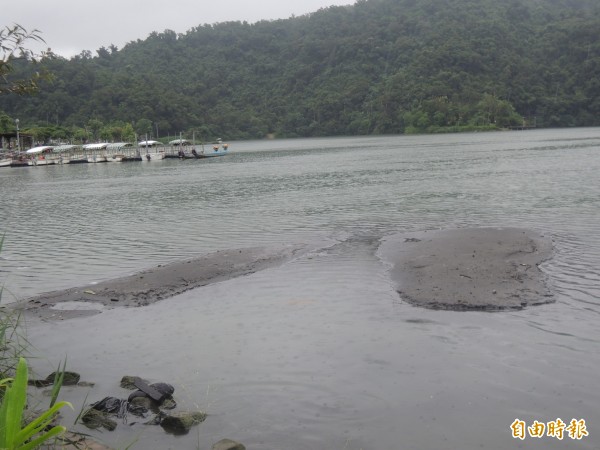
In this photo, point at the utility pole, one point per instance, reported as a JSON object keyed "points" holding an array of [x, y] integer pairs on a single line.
{"points": [[18, 137]]}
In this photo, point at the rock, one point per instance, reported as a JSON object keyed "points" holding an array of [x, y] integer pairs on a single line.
{"points": [[143, 402], [152, 391], [165, 390], [168, 403], [228, 444], [69, 379], [94, 419], [127, 382], [181, 422], [111, 405], [137, 410], [154, 420]]}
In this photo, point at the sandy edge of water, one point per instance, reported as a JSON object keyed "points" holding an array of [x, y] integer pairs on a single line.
{"points": [[155, 284], [484, 269], [487, 269]]}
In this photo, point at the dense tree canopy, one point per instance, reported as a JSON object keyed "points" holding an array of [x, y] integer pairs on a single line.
{"points": [[378, 66]]}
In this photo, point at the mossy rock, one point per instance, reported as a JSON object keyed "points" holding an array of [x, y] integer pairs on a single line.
{"points": [[128, 382], [69, 379], [95, 419], [181, 422]]}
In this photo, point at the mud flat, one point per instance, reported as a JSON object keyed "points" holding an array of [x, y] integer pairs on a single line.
{"points": [[155, 284], [486, 269]]}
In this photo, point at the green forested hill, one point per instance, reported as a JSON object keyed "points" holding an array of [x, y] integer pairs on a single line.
{"points": [[379, 66]]}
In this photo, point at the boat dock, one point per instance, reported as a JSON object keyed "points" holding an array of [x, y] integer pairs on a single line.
{"points": [[112, 152]]}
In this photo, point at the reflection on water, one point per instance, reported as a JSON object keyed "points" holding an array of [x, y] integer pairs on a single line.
{"points": [[321, 352]]}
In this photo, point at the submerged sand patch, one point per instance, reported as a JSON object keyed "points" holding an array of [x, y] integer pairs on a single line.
{"points": [[485, 269]]}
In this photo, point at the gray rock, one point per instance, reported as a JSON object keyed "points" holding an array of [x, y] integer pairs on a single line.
{"points": [[166, 390]]}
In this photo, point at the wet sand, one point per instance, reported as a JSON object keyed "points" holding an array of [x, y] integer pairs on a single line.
{"points": [[485, 269], [155, 284]]}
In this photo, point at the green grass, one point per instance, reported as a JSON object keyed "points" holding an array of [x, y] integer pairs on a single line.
{"points": [[15, 434], [13, 344]]}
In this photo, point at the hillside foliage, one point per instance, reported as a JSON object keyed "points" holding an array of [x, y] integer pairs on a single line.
{"points": [[374, 67]]}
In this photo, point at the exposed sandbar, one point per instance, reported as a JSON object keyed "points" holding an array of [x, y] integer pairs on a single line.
{"points": [[485, 269], [157, 283]]}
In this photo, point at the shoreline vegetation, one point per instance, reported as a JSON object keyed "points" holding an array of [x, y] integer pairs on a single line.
{"points": [[455, 129]]}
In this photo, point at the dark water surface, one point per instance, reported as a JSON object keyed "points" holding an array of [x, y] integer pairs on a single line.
{"points": [[321, 353]]}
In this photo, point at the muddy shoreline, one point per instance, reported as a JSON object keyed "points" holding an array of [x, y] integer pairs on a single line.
{"points": [[155, 284]]}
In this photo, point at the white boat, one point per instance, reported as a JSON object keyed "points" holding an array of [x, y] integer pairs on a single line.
{"points": [[151, 150], [70, 154], [149, 143], [180, 142], [117, 152], [41, 156], [153, 155], [95, 153]]}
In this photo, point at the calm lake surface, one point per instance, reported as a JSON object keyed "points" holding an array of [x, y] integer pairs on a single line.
{"points": [[321, 353]]}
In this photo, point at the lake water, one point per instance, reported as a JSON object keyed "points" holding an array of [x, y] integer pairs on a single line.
{"points": [[321, 353]]}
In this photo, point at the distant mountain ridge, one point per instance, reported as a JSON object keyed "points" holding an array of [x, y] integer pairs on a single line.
{"points": [[378, 66]]}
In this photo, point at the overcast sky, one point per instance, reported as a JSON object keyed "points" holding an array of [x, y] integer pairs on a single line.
{"points": [[70, 26]]}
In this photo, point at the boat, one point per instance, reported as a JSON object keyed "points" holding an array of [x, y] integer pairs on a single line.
{"points": [[217, 150], [6, 160], [122, 152], [179, 142], [152, 150], [41, 156], [70, 154], [13, 159], [95, 153], [179, 148]]}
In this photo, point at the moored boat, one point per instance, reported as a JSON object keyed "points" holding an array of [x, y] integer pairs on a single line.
{"points": [[122, 152], [151, 150], [70, 154], [217, 150], [95, 153], [41, 156], [5, 161]]}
